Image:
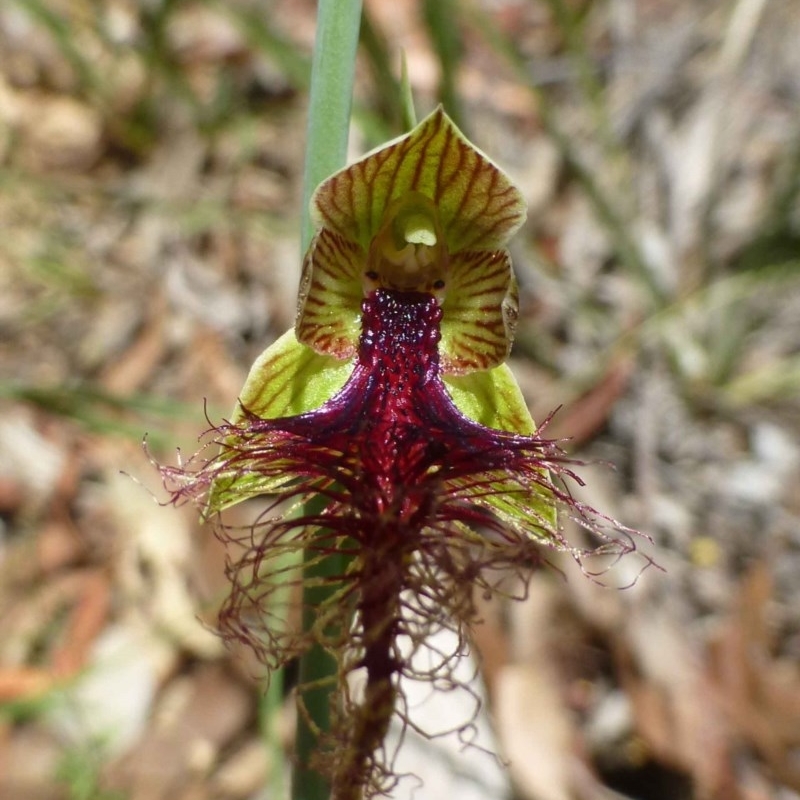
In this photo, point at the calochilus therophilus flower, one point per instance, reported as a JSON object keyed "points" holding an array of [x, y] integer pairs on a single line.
{"points": [[390, 406]]}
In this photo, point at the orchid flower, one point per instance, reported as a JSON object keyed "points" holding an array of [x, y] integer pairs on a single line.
{"points": [[391, 403]]}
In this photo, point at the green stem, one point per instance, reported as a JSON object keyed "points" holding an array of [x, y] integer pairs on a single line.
{"points": [[316, 680], [332, 75], [268, 723]]}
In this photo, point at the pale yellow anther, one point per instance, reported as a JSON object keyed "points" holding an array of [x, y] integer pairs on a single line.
{"points": [[420, 229]]}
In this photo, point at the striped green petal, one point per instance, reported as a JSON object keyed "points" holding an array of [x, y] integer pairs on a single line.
{"points": [[329, 305], [289, 378], [478, 205], [493, 398], [480, 312]]}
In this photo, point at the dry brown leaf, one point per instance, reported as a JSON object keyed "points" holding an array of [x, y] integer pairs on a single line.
{"points": [[761, 696], [677, 707], [88, 617], [24, 683], [534, 725], [583, 418], [131, 369], [535, 731]]}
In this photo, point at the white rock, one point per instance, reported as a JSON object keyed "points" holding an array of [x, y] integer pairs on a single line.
{"points": [[110, 702]]}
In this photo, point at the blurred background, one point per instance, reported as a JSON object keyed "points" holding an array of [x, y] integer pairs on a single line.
{"points": [[150, 167]]}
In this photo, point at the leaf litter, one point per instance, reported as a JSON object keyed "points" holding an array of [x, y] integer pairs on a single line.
{"points": [[153, 203]]}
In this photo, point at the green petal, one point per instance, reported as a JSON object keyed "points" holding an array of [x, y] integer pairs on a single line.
{"points": [[329, 306], [480, 312], [289, 378], [492, 398], [478, 205], [532, 511], [234, 486]]}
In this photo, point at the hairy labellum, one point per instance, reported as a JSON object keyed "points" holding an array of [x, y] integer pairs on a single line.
{"points": [[420, 497], [386, 429]]}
